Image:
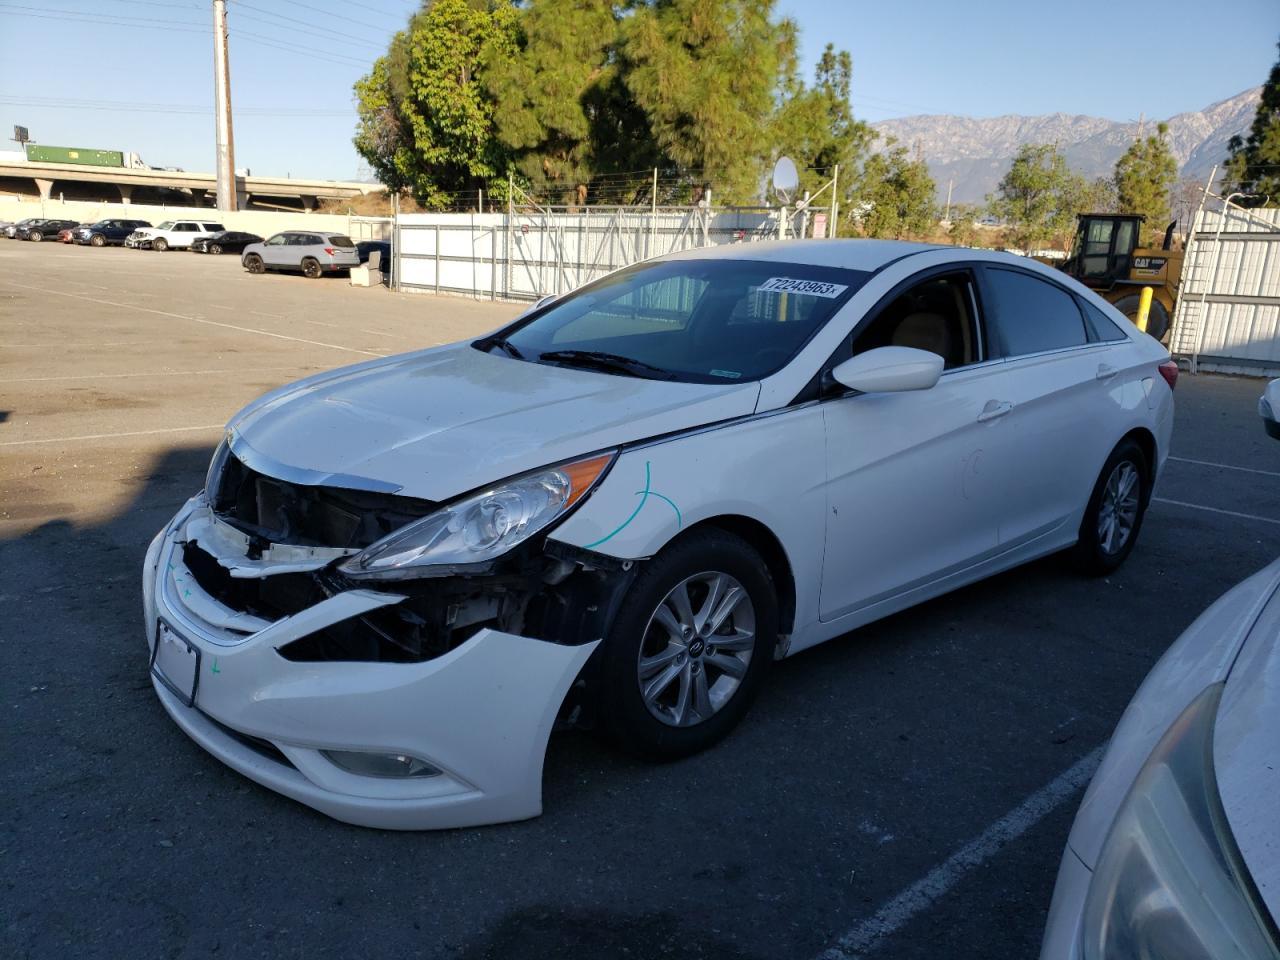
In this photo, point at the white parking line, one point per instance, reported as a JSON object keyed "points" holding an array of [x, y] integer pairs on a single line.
{"points": [[1228, 513], [110, 436], [183, 316], [933, 886], [169, 373], [1226, 466]]}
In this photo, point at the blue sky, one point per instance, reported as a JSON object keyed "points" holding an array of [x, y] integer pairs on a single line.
{"points": [[145, 83]]}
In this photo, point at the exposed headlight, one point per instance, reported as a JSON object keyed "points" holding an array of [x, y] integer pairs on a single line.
{"points": [[482, 527], [216, 466], [1170, 883]]}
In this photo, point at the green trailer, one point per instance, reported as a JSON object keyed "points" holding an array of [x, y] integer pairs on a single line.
{"points": [[81, 155]]}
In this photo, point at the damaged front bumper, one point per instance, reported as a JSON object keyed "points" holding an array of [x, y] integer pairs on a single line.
{"points": [[474, 720]]}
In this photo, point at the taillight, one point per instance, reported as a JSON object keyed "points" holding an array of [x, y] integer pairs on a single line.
{"points": [[1169, 370], [330, 251]]}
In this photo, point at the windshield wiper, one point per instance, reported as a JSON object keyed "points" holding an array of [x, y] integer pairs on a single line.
{"points": [[607, 361], [511, 349]]}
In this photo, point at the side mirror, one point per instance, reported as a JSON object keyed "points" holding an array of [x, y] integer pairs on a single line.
{"points": [[890, 370], [1268, 405]]}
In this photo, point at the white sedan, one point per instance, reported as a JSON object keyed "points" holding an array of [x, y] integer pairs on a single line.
{"points": [[1175, 851], [623, 506]]}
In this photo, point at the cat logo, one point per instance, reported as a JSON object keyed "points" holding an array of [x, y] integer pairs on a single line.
{"points": [[1153, 264]]}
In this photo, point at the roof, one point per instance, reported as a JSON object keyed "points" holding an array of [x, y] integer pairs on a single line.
{"points": [[849, 254]]}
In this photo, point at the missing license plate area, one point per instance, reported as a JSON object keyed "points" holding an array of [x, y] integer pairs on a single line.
{"points": [[176, 663]]}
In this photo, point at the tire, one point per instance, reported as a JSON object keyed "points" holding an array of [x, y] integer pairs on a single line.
{"points": [[97, 240], [1101, 547], [253, 263], [646, 646], [160, 243], [213, 248], [311, 268], [35, 236], [1157, 319]]}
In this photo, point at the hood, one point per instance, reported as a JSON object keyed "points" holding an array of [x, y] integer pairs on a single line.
{"points": [[438, 423], [1246, 754]]}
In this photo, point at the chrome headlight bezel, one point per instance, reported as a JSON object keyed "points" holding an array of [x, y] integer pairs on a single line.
{"points": [[1169, 880], [468, 534]]}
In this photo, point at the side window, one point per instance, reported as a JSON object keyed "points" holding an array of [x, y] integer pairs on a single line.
{"points": [[1103, 327], [934, 315], [1032, 314], [186, 227]]}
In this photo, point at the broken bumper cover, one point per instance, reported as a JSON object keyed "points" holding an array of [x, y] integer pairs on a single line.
{"points": [[480, 714]]}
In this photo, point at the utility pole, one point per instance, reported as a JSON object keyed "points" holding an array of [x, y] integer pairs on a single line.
{"points": [[950, 183], [226, 168]]}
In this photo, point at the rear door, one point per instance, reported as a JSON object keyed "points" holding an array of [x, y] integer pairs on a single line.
{"points": [[1063, 395], [915, 479]]}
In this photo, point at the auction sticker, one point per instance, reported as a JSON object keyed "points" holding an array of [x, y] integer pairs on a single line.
{"points": [[812, 288]]}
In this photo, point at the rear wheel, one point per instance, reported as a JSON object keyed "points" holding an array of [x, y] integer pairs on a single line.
{"points": [[214, 248], [98, 240], [311, 268], [1157, 318], [1114, 515], [160, 243], [253, 263], [689, 647]]}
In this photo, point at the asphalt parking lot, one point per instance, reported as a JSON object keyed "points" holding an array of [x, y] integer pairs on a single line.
{"points": [[901, 792]]}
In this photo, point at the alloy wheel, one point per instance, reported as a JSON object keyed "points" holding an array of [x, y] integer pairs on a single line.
{"points": [[1118, 511], [696, 648]]}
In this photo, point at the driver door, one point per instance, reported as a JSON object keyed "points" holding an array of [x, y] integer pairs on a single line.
{"points": [[274, 250], [915, 479]]}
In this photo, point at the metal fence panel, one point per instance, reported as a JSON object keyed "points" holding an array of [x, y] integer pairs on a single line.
{"points": [[535, 252], [1228, 312]]}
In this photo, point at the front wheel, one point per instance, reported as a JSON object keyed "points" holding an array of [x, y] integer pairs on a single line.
{"points": [[214, 248], [689, 647], [1114, 515], [98, 240], [311, 268], [35, 236], [253, 263], [160, 243]]}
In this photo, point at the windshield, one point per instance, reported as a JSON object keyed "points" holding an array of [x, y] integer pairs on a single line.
{"points": [[702, 321], [167, 225], [339, 240]]}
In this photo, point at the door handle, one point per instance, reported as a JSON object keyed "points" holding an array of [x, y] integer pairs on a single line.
{"points": [[995, 408], [1105, 372]]}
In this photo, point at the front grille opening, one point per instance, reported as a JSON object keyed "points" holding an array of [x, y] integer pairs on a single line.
{"points": [[267, 597], [387, 635], [282, 512]]}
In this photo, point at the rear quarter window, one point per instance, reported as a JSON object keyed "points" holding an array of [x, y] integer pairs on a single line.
{"points": [[1033, 315], [1104, 328]]}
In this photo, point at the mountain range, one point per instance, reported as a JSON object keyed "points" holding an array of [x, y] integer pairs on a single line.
{"points": [[974, 153]]}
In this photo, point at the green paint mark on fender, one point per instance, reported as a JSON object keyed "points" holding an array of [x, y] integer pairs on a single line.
{"points": [[214, 668]]}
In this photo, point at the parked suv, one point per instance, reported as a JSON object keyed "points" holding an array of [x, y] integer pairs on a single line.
{"points": [[106, 232], [312, 254], [41, 229], [177, 234]]}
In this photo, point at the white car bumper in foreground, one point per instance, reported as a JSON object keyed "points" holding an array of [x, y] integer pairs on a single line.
{"points": [[480, 714]]}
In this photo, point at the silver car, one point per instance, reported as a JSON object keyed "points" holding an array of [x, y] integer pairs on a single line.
{"points": [[1175, 851], [312, 254]]}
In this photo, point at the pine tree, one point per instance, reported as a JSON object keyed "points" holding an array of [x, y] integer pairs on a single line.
{"points": [[559, 97], [1143, 178], [1039, 197], [706, 73], [1253, 164]]}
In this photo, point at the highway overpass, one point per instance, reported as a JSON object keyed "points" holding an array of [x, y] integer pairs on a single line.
{"points": [[52, 179]]}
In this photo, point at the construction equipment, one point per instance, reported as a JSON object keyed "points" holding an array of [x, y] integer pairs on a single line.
{"points": [[1105, 257]]}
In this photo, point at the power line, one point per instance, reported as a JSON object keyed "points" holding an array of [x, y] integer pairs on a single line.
{"points": [[87, 19], [171, 108], [299, 26], [327, 55], [110, 18]]}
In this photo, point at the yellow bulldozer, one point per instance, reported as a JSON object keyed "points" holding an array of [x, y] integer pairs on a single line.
{"points": [[1105, 257]]}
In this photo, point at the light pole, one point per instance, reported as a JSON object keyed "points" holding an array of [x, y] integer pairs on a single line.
{"points": [[226, 160]]}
